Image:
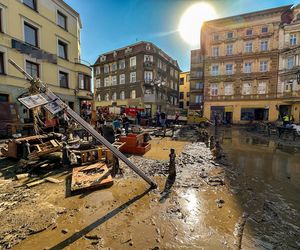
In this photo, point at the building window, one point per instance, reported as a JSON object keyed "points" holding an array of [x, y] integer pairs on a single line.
{"points": [[31, 34], [215, 70], [229, 49], [216, 37], [114, 96], [30, 3], [229, 35], [99, 98], [32, 69], [63, 79], [61, 20], [187, 103], [114, 80], [229, 69], [181, 105], [248, 47], [247, 88], [215, 51], [62, 50], [265, 29], [262, 88], [148, 58], [98, 83], [106, 97], [248, 67], [228, 89], [2, 63], [114, 66], [198, 98], [1, 22], [122, 64], [171, 72], [264, 45], [293, 39], [98, 71], [148, 76], [132, 61], [122, 95], [84, 82], [106, 68], [181, 95], [287, 86], [290, 62], [106, 81], [263, 66], [249, 32], [181, 81], [132, 77], [214, 89], [122, 79], [133, 94], [199, 85]]}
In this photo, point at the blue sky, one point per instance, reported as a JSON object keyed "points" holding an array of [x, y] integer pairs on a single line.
{"points": [[111, 24]]}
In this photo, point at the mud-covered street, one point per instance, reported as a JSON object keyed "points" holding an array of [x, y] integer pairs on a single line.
{"points": [[249, 200]]}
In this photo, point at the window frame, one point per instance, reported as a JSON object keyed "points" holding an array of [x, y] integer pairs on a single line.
{"points": [[65, 46], [230, 37], [263, 66], [227, 71], [293, 39], [266, 48], [259, 87], [251, 32], [248, 47], [215, 51], [131, 60], [247, 88], [226, 92], [67, 79], [214, 89], [131, 77], [213, 72], [248, 65], [231, 50], [60, 14], [1, 20], [36, 36], [2, 65], [35, 64], [34, 5], [264, 27]]}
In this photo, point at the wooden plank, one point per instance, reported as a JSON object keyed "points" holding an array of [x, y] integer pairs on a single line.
{"points": [[53, 180], [34, 183]]}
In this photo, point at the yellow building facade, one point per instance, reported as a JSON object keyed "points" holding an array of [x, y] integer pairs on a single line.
{"points": [[184, 90], [241, 66], [43, 37]]}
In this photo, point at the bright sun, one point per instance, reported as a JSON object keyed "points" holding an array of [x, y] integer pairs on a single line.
{"points": [[192, 20]]}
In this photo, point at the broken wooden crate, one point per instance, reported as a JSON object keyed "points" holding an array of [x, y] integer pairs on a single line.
{"points": [[135, 144], [39, 145], [91, 177]]}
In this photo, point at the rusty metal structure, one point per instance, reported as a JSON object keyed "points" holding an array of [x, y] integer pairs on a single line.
{"points": [[54, 99]]}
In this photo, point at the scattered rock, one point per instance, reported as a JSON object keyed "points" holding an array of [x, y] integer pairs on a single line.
{"points": [[64, 231]]}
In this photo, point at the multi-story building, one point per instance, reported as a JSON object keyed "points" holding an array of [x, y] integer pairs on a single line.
{"points": [[184, 90], [139, 75], [288, 90], [196, 80], [43, 37], [241, 65]]}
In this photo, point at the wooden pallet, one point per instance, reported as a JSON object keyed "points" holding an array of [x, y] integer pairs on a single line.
{"points": [[91, 177]]}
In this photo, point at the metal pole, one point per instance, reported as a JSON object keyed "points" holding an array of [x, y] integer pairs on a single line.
{"points": [[89, 128]]}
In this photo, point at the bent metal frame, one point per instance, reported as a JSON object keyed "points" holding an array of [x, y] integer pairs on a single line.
{"points": [[52, 98]]}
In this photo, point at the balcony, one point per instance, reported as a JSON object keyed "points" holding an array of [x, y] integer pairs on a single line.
{"points": [[148, 65], [34, 52]]}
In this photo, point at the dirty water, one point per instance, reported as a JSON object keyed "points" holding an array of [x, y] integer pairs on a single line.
{"points": [[194, 215]]}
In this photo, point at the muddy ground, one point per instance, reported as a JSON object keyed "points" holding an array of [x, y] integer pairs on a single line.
{"points": [[211, 205]]}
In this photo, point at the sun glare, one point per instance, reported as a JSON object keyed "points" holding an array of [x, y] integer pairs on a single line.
{"points": [[192, 20]]}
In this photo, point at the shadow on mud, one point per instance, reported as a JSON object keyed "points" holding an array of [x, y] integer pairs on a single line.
{"points": [[98, 222]]}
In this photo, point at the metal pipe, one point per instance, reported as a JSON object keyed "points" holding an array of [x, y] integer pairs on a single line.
{"points": [[88, 128]]}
